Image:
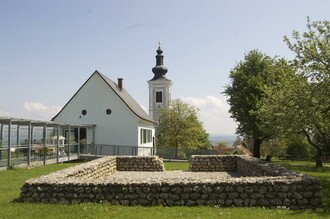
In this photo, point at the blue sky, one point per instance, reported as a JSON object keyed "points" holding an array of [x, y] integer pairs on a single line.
{"points": [[48, 49]]}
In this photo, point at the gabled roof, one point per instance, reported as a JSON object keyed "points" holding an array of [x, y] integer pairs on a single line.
{"points": [[122, 94]]}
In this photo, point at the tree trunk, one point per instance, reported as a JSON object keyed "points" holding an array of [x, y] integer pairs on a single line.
{"points": [[256, 147], [318, 158], [318, 155], [176, 151]]}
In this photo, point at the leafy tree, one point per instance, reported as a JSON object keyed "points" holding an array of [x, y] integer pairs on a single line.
{"points": [[312, 50], [301, 103], [298, 147], [275, 147], [251, 78], [179, 128]]}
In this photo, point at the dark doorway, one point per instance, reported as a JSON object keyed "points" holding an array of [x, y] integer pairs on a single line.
{"points": [[83, 133]]}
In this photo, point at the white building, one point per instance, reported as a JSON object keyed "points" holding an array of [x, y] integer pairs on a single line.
{"points": [[119, 119], [159, 87]]}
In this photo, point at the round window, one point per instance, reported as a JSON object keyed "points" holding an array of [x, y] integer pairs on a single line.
{"points": [[108, 111], [84, 112]]}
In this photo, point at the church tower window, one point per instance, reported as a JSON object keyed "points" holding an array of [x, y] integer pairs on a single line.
{"points": [[159, 97]]}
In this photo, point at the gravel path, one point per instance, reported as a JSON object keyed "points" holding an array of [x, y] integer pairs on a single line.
{"points": [[168, 176]]}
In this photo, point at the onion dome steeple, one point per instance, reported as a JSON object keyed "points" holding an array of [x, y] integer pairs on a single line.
{"points": [[159, 70]]}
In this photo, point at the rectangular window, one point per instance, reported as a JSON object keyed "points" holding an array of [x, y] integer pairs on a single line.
{"points": [[159, 97], [145, 136]]}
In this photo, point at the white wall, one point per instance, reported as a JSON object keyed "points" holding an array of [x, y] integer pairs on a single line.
{"points": [[121, 127], [158, 85], [150, 144]]}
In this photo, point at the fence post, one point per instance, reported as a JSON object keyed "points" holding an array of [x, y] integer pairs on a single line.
{"points": [[9, 145], [17, 142], [78, 142], [69, 135], [1, 130], [58, 144], [153, 147], [44, 146], [29, 144]]}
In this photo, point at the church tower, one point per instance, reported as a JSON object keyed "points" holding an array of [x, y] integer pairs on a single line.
{"points": [[159, 87]]}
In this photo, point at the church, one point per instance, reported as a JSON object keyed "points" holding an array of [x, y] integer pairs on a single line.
{"points": [[118, 119]]}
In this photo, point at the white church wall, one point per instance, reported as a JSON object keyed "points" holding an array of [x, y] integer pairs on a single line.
{"points": [[118, 128], [164, 86]]}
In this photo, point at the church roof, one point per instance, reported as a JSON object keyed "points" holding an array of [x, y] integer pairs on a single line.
{"points": [[160, 69], [122, 94], [160, 78]]}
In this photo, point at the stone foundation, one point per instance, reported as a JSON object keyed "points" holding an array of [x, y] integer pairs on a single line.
{"points": [[245, 165], [211, 163], [137, 163], [263, 184]]}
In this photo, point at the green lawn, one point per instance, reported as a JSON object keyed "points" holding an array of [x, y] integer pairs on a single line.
{"points": [[176, 166], [12, 180]]}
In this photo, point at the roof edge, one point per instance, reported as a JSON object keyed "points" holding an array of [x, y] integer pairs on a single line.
{"points": [[148, 120], [116, 92], [95, 72]]}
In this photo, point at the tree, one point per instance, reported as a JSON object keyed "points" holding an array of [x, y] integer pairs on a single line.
{"points": [[312, 50], [293, 109], [298, 147], [301, 103], [250, 80], [274, 147], [179, 128]]}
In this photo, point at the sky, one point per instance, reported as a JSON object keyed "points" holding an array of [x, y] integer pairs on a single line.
{"points": [[48, 49]]}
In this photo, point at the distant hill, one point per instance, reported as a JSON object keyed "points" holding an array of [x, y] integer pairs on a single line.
{"points": [[229, 139]]}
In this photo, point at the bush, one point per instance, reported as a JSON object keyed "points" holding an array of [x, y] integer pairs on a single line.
{"points": [[299, 148]]}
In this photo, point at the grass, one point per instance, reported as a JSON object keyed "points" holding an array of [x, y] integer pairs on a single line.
{"points": [[176, 166], [308, 167], [12, 180]]}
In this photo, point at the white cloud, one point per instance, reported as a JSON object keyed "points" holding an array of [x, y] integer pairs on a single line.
{"points": [[213, 113], [5, 114], [38, 110]]}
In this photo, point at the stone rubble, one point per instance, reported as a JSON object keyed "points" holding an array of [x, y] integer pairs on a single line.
{"points": [[213, 180]]}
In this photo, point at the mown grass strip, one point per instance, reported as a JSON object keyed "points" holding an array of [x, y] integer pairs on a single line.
{"points": [[12, 180]]}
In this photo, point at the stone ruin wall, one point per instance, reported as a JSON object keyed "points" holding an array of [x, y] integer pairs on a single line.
{"points": [[137, 163], [250, 166], [245, 165], [212, 163], [93, 169], [267, 185]]}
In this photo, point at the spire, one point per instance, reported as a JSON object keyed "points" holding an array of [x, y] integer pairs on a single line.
{"points": [[159, 70]]}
